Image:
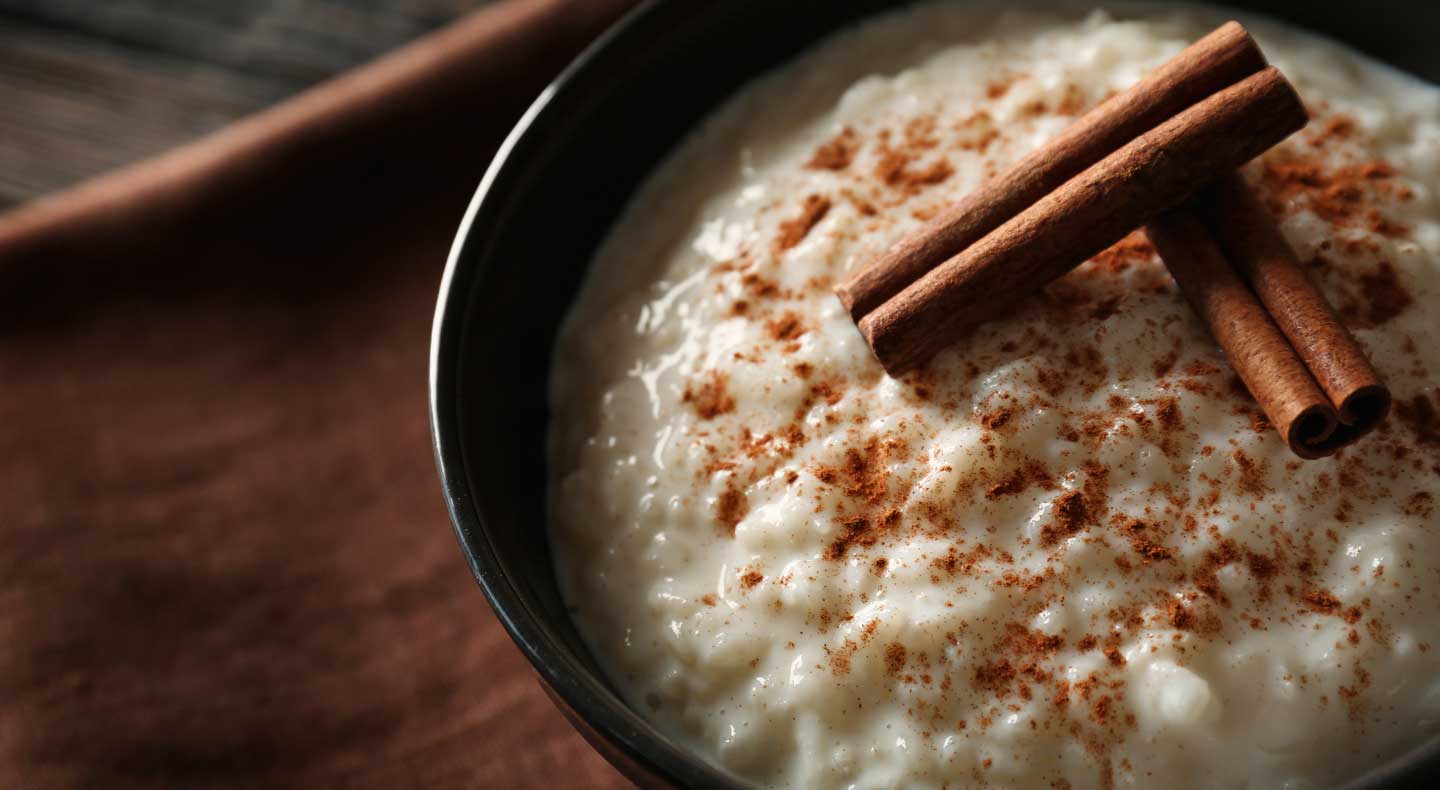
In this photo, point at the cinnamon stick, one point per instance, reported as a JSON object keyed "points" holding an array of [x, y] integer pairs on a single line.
{"points": [[1259, 252], [1222, 58], [1144, 178], [1255, 346]]}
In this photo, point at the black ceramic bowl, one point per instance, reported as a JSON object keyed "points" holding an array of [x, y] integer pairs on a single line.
{"points": [[551, 193]]}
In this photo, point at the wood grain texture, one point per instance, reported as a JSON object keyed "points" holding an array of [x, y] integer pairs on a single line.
{"points": [[87, 86], [224, 558]]}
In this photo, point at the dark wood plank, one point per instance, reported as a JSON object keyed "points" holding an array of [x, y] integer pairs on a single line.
{"points": [[87, 86], [224, 560], [75, 107]]}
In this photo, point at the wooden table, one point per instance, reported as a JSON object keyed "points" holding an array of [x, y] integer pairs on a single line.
{"points": [[224, 560], [88, 85]]}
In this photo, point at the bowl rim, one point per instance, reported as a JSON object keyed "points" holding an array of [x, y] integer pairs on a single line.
{"points": [[601, 708]]}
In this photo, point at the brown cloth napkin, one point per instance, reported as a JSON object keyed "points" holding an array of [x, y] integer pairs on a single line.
{"points": [[224, 561]]}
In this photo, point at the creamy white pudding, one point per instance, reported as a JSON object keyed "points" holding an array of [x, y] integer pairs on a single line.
{"points": [[1069, 552]]}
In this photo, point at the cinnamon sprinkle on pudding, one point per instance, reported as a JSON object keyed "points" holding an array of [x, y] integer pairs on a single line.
{"points": [[1069, 549]]}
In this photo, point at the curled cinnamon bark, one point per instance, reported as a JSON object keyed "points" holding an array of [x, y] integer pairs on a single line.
{"points": [[1144, 178], [1280, 334], [1257, 249], [1255, 346], [1218, 60]]}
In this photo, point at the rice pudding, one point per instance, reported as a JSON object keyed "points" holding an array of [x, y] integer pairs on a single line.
{"points": [[1069, 551]]}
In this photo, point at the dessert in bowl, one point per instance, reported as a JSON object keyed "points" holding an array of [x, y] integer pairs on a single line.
{"points": [[1067, 549]]}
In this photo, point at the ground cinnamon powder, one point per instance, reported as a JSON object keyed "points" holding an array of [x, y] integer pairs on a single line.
{"points": [[794, 230], [1385, 297], [1420, 415], [731, 508], [838, 153], [710, 397], [1185, 588]]}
